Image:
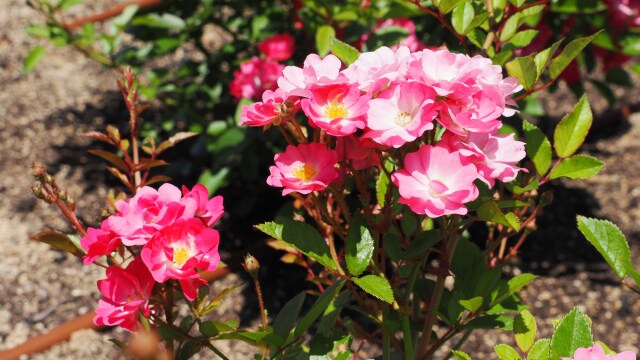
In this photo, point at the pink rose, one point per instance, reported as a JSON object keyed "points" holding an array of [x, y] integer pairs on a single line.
{"points": [[279, 47], [339, 109], [197, 202], [99, 242], [275, 107], [596, 352], [435, 182], [254, 77], [178, 250], [314, 72], [304, 168], [125, 294]]}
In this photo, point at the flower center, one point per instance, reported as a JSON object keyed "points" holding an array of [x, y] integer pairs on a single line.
{"points": [[305, 172], [403, 118], [437, 187], [180, 256], [335, 109]]}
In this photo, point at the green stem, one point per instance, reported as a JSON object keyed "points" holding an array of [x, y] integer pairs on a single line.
{"points": [[408, 341], [216, 351]]}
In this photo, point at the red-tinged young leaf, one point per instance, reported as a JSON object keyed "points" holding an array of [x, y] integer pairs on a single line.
{"points": [[96, 135], [174, 140], [114, 133], [112, 158], [58, 240], [158, 179], [146, 163], [120, 176]]}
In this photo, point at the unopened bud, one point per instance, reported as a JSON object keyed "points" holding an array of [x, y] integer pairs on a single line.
{"points": [[37, 191], [252, 266]]}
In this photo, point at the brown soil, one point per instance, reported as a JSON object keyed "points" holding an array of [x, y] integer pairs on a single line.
{"points": [[42, 113]]}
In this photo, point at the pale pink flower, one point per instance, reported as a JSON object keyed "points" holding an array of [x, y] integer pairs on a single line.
{"points": [[279, 47], [125, 295], [315, 72], [376, 70], [178, 250], [197, 202], [471, 92], [304, 168], [596, 352], [401, 114], [275, 107], [147, 212], [254, 77], [361, 152], [99, 242], [339, 109], [494, 155], [435, 182]]}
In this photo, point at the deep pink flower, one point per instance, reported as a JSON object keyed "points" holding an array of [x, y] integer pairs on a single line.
{"points": [[623, 13], [596, 352], [149, 210], [315, 72], [178, 250], [254, 77], [125, 294], [339, 109], [275, 107], [359, 151], [376, 70], [401, 114], [304, 168], [99, 242], [197, 202], [435, 182], [494, 155], [610, 59], [471, 92], [279, 47]]}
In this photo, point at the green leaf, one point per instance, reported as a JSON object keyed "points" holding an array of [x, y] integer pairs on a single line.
{"points": [[517, 3], [208, 328], [445, 6], [345, 52], [542, 58], [32, 59], [523, 68], [460, 355], [327, 324], [490, 211], [303, 237], [324, 35], [36, 30], [577, 167], [570, 52], [66, 4], [462, 17], [510, 27], [164, 21], [382, 184], [513, 286], [578, 6], [287, 317], [539, 350], [376, 286], [524, 330], [472, 304], [573, 128], [619, 76], [359, 249], [58, 240], [572, 332], [254, 338], [610, 242], [538, 147], [523, 38], [506, 352], [318, 307]]}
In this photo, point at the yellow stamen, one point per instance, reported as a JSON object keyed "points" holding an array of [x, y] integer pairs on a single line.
{"points": [[305, 172], [335, 109], [180, 256], [403, 118]]}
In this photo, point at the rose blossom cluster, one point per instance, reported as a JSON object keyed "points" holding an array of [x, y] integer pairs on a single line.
{"points": [[168, 234], [392, 102], [259, 74]]}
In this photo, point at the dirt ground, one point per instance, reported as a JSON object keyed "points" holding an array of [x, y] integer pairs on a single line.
{"points": [[42, 113]]}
